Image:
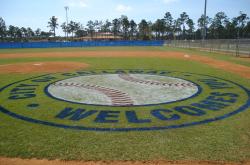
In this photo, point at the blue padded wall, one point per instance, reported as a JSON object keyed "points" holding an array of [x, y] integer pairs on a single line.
{"points": [[9, 45]]}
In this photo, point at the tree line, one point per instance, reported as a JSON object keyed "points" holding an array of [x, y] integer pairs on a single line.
{"points": [[181, 28]]}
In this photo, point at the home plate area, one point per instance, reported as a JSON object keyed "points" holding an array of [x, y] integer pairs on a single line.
{"points": [[122, 89]]}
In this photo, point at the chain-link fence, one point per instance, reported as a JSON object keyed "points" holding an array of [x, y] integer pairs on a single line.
{"points": [[237, 47]]}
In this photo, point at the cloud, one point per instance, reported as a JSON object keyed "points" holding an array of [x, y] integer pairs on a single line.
{"points": [[123, 8], [169, 1], [77, 3]]}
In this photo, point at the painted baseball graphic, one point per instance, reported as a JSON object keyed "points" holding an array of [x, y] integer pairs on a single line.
{"points": [[123, 100], [123, 89]]}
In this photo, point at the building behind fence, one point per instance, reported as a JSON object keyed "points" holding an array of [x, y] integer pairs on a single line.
{"points": [[236, 47]]}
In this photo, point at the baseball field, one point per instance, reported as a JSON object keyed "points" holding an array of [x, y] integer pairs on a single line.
{"points": [[123, 105]]}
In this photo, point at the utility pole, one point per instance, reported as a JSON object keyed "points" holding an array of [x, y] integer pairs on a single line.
{"points": [[205, 22], [67, 22]]}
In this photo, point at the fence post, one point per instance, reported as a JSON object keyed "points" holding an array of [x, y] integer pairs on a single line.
{"points": [[237, 48]]}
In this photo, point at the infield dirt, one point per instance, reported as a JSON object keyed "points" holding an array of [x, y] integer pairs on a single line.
{"points": [[45, 67], [18, 161], [240, 70]]}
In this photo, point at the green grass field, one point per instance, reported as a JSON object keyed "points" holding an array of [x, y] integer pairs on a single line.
{"points": [[223, 140]]}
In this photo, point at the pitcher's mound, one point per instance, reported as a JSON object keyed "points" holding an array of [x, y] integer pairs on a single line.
{"points": [[42, 67]]}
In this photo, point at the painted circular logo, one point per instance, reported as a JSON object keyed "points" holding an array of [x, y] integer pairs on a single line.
{"points": [[123, 100], [122, 89]]}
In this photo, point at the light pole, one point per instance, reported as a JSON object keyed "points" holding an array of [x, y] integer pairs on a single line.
{"points": [[66, 9], [205, 22]]}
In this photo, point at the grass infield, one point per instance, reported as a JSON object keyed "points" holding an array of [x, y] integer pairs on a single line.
{"points": [[224, 140]]}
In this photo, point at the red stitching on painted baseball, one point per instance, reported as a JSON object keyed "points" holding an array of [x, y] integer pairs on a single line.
{"points": [[129, 78], [117, 97]]}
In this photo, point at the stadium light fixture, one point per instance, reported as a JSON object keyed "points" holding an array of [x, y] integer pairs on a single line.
{"points": [[205, 21], [66, 9]]}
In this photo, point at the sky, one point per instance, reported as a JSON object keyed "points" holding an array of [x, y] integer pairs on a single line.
{"points": [[36, 13]]}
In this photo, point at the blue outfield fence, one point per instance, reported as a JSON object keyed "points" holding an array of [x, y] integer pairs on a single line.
{"points": [[12, 45]]}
